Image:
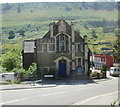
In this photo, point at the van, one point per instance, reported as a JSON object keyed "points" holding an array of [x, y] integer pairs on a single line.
{"points": [[114, 71], [9, 76]]}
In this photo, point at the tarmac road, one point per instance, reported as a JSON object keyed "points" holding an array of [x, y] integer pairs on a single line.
{"points": [[96, 93]]}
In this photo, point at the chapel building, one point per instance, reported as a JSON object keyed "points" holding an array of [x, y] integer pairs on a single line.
{"points": [[61, 52]]}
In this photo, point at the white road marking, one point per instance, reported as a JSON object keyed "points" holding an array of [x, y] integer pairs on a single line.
{"points": [[3, 91], [52, 94], [81, 89], [11, 101], [88, 86], [92, 98]]}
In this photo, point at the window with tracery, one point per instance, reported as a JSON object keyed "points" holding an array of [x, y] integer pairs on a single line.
{"points": [[62, 43]]}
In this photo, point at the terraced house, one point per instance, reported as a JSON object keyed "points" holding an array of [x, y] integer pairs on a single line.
{"points": [[61, 52]]}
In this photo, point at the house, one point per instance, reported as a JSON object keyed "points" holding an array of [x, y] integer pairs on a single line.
{"points": [[61, 52], [100, 59]]}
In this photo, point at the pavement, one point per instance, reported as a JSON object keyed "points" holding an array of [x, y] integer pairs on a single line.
{"points": [[49, 83], [24, 86]]}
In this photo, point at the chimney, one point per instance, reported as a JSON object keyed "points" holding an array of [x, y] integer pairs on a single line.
{"points": [[51, 30], [85, 39], [73, 33]]}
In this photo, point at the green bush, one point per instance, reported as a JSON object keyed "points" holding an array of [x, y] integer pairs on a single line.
{"points": [[12, 59], [113, 104], [93, 74], [16, 82], [104, 67], [8, 81]]}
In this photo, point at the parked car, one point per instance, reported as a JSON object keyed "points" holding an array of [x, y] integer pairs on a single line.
{"points": [[114, 71]]}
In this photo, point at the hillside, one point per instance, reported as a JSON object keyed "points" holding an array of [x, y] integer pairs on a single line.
{"points": [[31, 20]]}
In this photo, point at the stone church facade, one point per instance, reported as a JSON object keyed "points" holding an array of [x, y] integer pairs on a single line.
{"points": [[61, 52]]}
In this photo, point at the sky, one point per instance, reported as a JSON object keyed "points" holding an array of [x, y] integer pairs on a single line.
{"points": [[22, 1]]}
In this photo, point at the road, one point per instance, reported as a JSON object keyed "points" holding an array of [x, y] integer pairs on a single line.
{"points": [[98, 93]]}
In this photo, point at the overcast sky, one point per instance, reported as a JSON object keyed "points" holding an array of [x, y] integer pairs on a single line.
{"points": [[21, 1]]}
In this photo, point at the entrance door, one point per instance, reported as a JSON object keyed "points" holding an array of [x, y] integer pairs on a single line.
{"points": [[62, 68]]}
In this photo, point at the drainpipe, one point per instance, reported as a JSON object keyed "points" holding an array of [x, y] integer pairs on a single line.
{"points": [[73, 48]]}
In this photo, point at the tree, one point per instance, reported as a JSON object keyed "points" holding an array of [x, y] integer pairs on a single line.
{"points": [[108, 29], [104, 22], [68, 9], [21, 32], [80, 8], [12, 59], [24, 74], [104, 69], [94, 34], [86, 26], [11, 35], [19, 9], [85, 5], [96, 6], [77, 31], [116, 50], [18, 72], [31, 11], [31, 73], [29, 25], [7, 7]]}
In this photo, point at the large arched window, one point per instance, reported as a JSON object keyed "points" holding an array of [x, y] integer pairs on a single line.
{"points": [[62, 42]]}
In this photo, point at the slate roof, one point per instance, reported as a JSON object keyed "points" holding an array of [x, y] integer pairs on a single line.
{"points": [[78, 38], [47, 35]]}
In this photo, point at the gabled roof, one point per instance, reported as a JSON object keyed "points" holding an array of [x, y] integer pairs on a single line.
{"points": [[62, 21], [47, 35], [55, 28], [78, 38]]}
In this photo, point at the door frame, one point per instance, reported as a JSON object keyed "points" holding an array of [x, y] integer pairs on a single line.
{"points": [[62, 63], [67, 65]]}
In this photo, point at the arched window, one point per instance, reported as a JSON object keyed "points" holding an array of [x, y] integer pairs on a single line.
{"points": [[62, 43]]}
